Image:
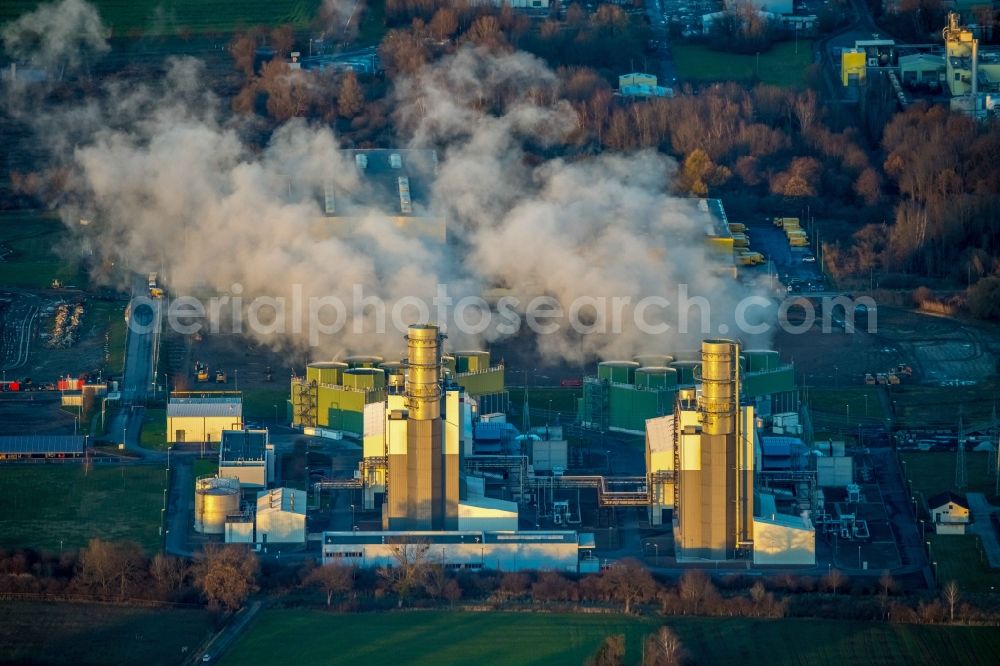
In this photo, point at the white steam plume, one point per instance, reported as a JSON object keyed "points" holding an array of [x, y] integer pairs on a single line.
{"points": [[56, 34], [172, 187]]}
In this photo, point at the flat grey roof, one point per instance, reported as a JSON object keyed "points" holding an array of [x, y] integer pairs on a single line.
{"points": [[449, 537], [241, 445], [205, 407], [380, 187], [26, 444]]}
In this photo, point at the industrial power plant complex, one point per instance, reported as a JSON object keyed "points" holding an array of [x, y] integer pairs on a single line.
{"points": [[507, 332], [727, 474]]}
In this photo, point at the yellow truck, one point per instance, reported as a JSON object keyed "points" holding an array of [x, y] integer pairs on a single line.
{"points": [[746, 258], [786, 222], [737, 227], [740, 240]]}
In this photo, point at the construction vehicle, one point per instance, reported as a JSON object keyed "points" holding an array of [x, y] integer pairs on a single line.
{"points": [[903, 369], [882, 378], [869, 379], [154, 286], [268, 375], [220, 377], [786, 222], [893, 378], [743, 259], [200, 371]]}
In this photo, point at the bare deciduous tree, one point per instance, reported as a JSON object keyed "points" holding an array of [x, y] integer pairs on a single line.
{"points": [[226, 575], [664, 648], [628, 581], [168, 572], [611, 652], [695, 589], [834, 580], [408, 571], [350, 99], [951, 595], [332, 579]]}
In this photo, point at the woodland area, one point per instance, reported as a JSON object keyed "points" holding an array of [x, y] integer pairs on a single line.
{"points": [[901, 199]]}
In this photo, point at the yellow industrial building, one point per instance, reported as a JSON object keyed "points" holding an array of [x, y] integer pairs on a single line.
{"points": [[192, 418], [853, 67]]}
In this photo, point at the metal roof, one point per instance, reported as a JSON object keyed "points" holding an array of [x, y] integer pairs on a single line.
{"points": [[26, 444], [448, 537], [240, 445], [396, 181], [291, 500], [205, 407], [492, 430]]}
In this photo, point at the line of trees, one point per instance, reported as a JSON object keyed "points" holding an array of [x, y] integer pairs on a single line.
{"points": [[223, 577]]}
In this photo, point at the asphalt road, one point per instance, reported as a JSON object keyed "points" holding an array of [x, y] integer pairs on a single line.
{"points": [[143, 340], [667, 71]]}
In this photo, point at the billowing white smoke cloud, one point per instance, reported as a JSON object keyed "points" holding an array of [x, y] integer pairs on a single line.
{"points": [[340, 18], [168, 184], [56, 34]]}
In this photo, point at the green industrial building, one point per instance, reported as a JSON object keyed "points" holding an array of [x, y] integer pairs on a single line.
{"points": [[625, 394], [334, 394]]}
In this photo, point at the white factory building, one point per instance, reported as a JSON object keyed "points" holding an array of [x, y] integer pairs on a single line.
{"points": [[202, 419], [281, 516], [462, 549], [247, 455], [780, 538]]}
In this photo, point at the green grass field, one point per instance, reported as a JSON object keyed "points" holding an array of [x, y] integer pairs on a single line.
{"points": [[933, 472], [167, 17], [154, 430], [959, 558], [48, 633], [42, 505], [438, 638], [860, 402], [259, 403], [780, 66], [34, 264], [931, 406]]}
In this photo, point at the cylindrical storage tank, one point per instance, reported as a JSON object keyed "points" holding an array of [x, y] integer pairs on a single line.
{"points": [[718, 386], [617, 372], [471, 361], [215, 499], [686, 372], [760, 360], [395, 373], [363, 361], [326, 372], [656, 377], [365, 379], [653, 360]]}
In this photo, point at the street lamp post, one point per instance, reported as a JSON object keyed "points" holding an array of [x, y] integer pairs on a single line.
{"points": [[859, 556]]}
